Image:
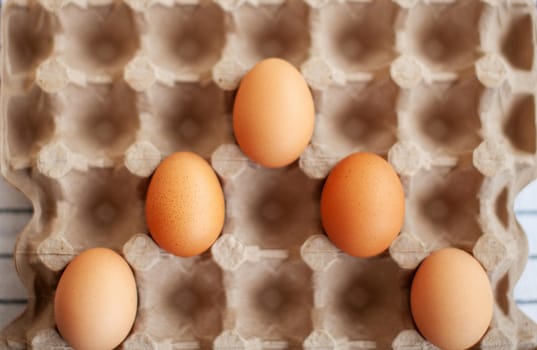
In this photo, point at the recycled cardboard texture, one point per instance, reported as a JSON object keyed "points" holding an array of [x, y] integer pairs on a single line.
{"points": [[95, 93]]}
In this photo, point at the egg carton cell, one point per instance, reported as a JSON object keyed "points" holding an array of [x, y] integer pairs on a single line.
{"points": [[30, 125], [447, 115], [192, 303], [517, 44], [40, 295], [515, 111], [28, 37], [272, 302], [358, 117], [519, 124], [98, 121], [47, 194], [279, 30], [187, 39], [446, 36], [358, 36], [272, 208], [99, 39], [444, 205], [363, 305], [104, 207], [186, 117]]}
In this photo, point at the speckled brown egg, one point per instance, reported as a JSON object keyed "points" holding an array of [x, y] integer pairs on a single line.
{"points": [[362, 205], [185, 206]]}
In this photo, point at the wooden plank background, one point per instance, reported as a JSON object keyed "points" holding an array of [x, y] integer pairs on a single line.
{"points": [[526, 290], [14, 213]]}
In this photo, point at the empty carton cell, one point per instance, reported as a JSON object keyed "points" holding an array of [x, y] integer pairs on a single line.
{"points": [[41, 283], [29, 37], [446, 36], [501, 209], [445, 206], [358, 117], [189, 298], [502, 294], [448, 115], [99, 38], [359, 36], [48, 193], [30, 123], [100, 120], [185, 38], [366, 300], [189, 117], [280, 30], [517, 44], [519, 126], [274, 208], [275, 302], [45, 195], [107, 207]]}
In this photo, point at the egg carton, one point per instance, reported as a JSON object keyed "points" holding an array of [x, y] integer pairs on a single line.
{"points": [[96, 92]]}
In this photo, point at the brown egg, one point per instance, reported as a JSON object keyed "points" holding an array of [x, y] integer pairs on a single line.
{"points": [[185, 206], [362, 205], [95, 301], [451, 299], [273, 114]]}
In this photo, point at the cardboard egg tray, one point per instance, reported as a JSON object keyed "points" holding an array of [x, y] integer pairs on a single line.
{"points": [[96, 92]]}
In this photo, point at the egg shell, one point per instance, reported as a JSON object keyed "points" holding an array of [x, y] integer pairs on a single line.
{"points": [[362, 205], [451, 299], [95, 301], [185, 206], [273, 113]]}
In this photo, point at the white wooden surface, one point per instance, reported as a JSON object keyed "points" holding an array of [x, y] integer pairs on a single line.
{"points": [[526, 289], [14, 213]]}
